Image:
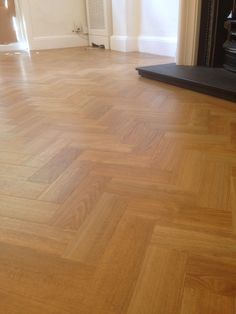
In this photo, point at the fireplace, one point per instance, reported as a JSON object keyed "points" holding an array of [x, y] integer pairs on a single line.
{"points": [[230, 44], [213, 34], [215, 73], [217, 44]]}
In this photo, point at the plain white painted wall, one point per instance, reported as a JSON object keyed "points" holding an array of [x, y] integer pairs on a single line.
{"points": [[56, 17], [145, 25], [50, 23], [159, 18], [159, 26]]}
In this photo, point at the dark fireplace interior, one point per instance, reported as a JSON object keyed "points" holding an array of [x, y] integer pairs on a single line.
{"points": [[216, 32], [213, 34], [215, 73]]}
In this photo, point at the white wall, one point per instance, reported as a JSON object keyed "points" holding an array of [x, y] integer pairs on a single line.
{"points": [[159, 26], [138, 25], [151, 26], [159, 18], [125, 25], [49, 23]]}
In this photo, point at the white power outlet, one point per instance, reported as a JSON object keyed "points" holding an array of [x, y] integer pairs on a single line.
{"points": [[83, 30]]}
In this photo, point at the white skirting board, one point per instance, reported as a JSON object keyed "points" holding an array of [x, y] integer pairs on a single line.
{"points": [[124, 43], [165, 46], [54, 42]]}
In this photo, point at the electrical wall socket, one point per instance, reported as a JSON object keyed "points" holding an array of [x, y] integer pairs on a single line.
{"points": [[80, 30]]}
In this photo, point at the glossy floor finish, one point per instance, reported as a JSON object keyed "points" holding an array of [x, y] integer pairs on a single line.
{"points": [[117, 194]]}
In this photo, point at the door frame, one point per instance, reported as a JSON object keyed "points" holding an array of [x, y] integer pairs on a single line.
{"points": [[22, 44]]}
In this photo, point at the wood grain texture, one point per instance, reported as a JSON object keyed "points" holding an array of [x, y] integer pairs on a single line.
{"points": [[202, 301], [117, 194], [161, 282]]}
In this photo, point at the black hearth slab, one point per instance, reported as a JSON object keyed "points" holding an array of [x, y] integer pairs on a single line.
{"points": [[212, 81]]}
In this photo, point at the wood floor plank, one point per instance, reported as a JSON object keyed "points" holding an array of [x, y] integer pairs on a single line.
{"points": [[114, 285], [62, 188], [150, 191], [21, 187], [48, 153], [191, 171], [214, 192], [217, 275], [43, 278], [55, 167], [160, 285], [19, 158], [115, 158], [41, 237], [17, 304], [74, 211], [195, 241], [26, 209], [232, 202], [17, 171], [147, 174], [91, 240], [202, 301]]}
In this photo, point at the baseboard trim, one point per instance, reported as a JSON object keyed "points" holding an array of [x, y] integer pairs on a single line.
{"points": [[124, 43], [164, 46], [54, 42]]}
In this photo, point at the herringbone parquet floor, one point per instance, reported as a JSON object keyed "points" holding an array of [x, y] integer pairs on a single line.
{"points": [[118, 194]]}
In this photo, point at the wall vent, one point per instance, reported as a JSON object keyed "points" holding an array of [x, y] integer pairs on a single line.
{"points": [[96, 14], [99, 14]]}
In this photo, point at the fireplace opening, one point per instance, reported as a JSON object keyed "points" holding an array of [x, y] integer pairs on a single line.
{"points": [[213, 34], [230, 44]]}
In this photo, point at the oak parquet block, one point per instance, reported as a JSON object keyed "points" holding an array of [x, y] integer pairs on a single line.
{"points": [[26, 209], [21, 187], [205, 244], [43, 157], [232, 202], [54, 168], [202, 301], [160, 285], [41, 237], [114, 285], [115, 158], [91, 240], [43, 278], [139, 174], [17, 304], [17, 171], [215, 275], [214, 192], [74, 211], [66, 183]]}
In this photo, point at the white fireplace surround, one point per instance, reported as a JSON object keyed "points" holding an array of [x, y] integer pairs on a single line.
{"points": [[188, 35]]}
